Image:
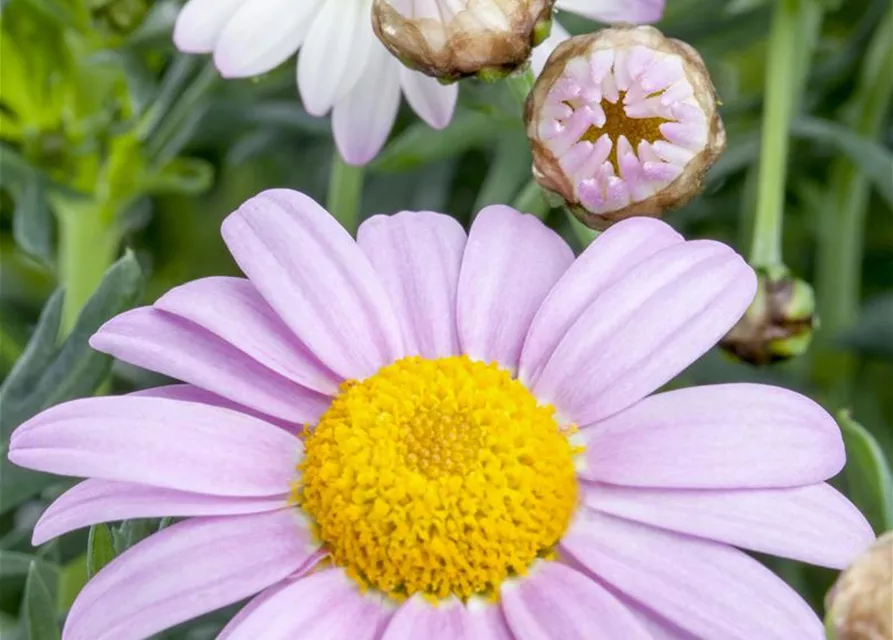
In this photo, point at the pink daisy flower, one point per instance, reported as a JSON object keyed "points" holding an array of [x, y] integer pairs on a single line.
{"points": [[426, 435]]}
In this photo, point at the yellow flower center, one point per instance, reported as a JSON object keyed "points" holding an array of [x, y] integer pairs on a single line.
{"points": [[438, 476]]}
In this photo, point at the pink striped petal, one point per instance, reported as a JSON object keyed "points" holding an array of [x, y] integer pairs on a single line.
{"points": [[417, 256], [161, 443], [813, 524], [708, 589], [728, 436], [190, 393], [315, 276], [645, 329], [326, 604], [447, 620], [158, 341], [186, 570], [609, 258], [93, 501], [511, 262], [233, 310], [554, 601]]}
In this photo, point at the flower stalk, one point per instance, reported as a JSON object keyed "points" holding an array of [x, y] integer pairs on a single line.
{"points": [[345, 192]]}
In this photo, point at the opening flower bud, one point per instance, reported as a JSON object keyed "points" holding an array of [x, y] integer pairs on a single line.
{"points": [[779, 323], [860, 605], [452, 39], [623, 122]]}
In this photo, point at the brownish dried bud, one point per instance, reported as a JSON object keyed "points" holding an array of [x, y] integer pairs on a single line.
{"points": [[452, 39], [860, 605], [779, 323], [623, 122]]}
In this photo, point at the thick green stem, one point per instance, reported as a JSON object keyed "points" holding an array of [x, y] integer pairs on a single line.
{"points": [[345, 193], [784, 68], [843, 220], [521, 84], [88, 244]]}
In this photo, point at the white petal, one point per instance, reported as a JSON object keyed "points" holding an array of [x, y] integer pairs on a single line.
{"points": [[335, 53], [200, 23], [362, 120], [434, 102], [263, 34]]}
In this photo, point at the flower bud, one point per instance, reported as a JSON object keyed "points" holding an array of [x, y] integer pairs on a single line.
{"points": [[452, 39], [860, 605], [623, 122], [779, 323]]}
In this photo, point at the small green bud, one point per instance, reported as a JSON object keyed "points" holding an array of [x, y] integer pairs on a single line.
{"points": [[860, 605], [779, 323], [541, 31]]}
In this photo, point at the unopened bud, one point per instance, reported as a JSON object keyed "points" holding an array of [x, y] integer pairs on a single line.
{"points": [[623, 122], [860, 605], [452, 39], [779, 323]]}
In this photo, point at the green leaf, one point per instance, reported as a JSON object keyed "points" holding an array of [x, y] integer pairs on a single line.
{"points": [[420, 144], [39, 608], [867, 473], [32, 224], [190, 176], [872, 159], [100, 548], [46, 375]]}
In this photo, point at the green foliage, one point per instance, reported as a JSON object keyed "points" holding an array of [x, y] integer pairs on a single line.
{"points": [[868, 476]]}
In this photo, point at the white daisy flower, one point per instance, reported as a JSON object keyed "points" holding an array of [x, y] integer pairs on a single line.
{"points": [[342, 67]]}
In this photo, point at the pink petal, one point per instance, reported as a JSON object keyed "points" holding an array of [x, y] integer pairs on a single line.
{"points": [[434, 102], [363, 118], [728, 436], [233, 310], [813, 524], [511, 262], [186, 570], [190, 393], [611, 11], [161, 443], [313, 274], [708, 589], [261, 35], [646, 328], [93, 501], [417, 256], [554, 601], [326, 604], [200, 23], [161, 342], [610, 257], [447, 620]]}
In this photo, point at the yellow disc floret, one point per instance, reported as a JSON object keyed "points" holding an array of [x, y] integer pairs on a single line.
{"points": [[438, 476]]}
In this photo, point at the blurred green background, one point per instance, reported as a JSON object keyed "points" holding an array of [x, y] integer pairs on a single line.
{"points": [[113, 140]]}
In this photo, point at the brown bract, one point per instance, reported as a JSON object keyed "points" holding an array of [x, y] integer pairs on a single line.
{"points": [[861, 603], [468, 44], [546, 169]]}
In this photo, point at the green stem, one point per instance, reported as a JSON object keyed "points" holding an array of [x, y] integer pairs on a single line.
{"points": [[531, 200], [345, 193], [842, 224], [88, 244], [521, 84], [784, 70]]}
